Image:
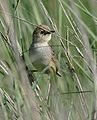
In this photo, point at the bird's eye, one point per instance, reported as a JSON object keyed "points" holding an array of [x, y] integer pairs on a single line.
{"points": [[42, 32]]}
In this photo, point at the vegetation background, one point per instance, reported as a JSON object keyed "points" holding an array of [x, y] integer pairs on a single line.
{"points": [[70, 97]]}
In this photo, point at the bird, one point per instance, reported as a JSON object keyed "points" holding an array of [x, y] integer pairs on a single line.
{"points": [[40, 52]]}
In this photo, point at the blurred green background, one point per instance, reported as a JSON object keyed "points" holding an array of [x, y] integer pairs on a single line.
{"points": [[74, 95]]}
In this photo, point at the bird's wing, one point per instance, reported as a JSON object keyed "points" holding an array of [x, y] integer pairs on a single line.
{"points": [[54, 63]]}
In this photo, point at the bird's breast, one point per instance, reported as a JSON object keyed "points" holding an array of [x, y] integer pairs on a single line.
{"points": [[41, 53]]}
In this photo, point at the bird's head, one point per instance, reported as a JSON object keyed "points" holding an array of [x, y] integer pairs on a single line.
{"points": [[42, 33]]}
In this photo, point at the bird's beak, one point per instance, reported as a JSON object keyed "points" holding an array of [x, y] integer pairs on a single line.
{"points": [[52, 31]]}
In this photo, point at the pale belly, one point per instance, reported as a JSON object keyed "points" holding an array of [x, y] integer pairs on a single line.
{"points": [[40, 57]]}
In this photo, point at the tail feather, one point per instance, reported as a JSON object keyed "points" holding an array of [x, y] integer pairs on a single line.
{"points": [[59, 74]]}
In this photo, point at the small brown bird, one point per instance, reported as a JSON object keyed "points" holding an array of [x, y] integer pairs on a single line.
{"points": [[40, 52]]}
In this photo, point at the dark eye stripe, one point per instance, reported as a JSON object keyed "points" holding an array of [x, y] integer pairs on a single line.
{"points": [[48, 33], [45, 32]]}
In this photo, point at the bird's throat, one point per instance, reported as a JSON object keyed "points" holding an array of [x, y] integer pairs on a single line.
{"points": [[43, 44]]}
